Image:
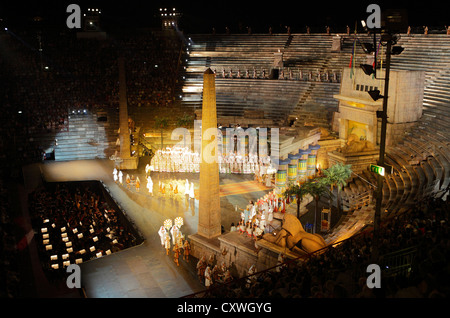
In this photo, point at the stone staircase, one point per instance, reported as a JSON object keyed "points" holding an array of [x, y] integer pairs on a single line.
{"points": [[351, 224], [86, 138], [256, 52]]}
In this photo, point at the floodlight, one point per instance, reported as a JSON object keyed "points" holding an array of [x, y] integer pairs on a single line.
{"points": [[368, 69], [375, 94], [396, 50], [368, 48]]}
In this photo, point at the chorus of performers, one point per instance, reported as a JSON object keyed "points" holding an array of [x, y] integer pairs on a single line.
{"points": [[210, 272], [181, 159], [172, 240], [175, 188], [256, 218], [235, 163], [176, 159]]}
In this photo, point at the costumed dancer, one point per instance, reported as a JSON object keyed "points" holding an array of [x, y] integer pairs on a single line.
{"points": [[167, 243], [120, 177], [253, 210], [227, 276], [175, 232], [191, 191], [186, 187], [216, 274], [270, 215], [128, 181], [262, 223], [208, 277], [241, 227], [249, 229], [187, 250], [150, 185], [176, 253], [162, 234], [138, 184], [268, 180], [201, 266], [115, 174]]}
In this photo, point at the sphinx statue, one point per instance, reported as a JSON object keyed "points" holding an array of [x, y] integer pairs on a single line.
{"points": [[295, 238], [354, 144]]}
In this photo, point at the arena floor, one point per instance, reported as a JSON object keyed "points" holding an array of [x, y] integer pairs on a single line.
{"points": [[146, 270]]}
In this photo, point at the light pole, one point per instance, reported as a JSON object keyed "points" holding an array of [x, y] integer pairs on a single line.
{"points": [[380, 178], [375, 94]]}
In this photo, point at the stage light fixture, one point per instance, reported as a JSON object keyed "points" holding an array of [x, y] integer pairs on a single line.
{"points": [[379, 113], [368, 48], [368, 69], [375, 94], [396, 50]]}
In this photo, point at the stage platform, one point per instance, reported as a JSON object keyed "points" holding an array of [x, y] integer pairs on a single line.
{"points": [[146, 270]]}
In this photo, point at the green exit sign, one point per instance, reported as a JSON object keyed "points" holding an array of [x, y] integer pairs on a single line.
{"points": [[377, 169]]}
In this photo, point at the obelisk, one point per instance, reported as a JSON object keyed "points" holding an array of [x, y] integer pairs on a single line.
{"points": [[124, 135], [209, 219]]}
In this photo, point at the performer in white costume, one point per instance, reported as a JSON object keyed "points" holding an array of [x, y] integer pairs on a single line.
{"points": [[120, 177], [191, 191], [186, 187], [150, 185], [252, 211], [162, 234], [175, 232], [115, 174], [208, 277]]}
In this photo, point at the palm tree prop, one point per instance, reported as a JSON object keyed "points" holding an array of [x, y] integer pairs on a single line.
{"points": [[317, 188], [297, 191], [337, 176], [161, 123], [185, 121]]}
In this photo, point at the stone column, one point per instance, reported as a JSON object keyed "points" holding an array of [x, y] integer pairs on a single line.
{"points": [[312, 159], [281, 176], [302, 165], [209, 219], [293, 167]]}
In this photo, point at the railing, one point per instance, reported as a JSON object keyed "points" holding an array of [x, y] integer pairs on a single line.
{"points": [[398, 262], [362, 199], [146, 144]]}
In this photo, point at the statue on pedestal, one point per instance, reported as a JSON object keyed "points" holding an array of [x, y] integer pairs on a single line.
{"points": [[354, 144], [295, 238]]}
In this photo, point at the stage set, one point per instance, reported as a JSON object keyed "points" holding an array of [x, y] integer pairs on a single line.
{"points": [[186, 211]]}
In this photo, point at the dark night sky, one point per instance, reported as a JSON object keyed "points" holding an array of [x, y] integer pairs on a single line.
{"points": [[199, 16]]}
